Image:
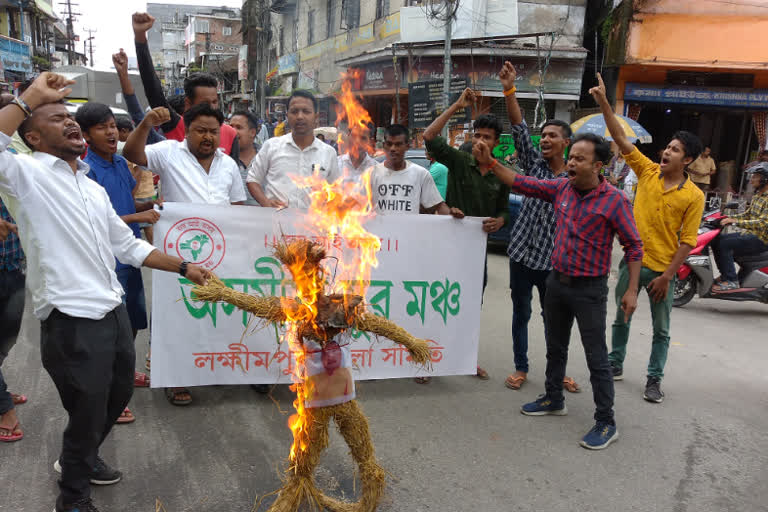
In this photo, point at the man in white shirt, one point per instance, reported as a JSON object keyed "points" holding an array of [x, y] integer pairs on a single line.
{"points": [[402, 187], [298, 153], [71, 236], [356, 161], [195, 170]]}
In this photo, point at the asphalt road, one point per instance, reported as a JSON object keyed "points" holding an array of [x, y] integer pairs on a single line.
{"points": [[456, 444]]}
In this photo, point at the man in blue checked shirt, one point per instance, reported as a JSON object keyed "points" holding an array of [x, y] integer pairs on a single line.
{"points": [[11, 311], [532, 235]]}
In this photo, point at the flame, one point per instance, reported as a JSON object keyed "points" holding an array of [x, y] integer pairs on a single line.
{"points": [[337, 213], [357, 118]]}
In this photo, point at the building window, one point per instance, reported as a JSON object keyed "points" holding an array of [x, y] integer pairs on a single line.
{"points": [[281, 40], [382, 9], [201, 26], [311, 27], [330, 24], [226, 31], [350, 10]]}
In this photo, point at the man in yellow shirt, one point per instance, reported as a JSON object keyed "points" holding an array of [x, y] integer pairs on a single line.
{"points": [[702, 169], [668, 210]]}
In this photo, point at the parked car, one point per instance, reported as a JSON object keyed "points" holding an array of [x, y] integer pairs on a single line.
{"points": [[501, 237], [415, 155]]}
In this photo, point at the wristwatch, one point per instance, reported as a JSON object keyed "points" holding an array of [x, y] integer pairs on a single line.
{"points": [[183, 268]]}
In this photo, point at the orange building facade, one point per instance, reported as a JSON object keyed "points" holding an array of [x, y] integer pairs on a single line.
{"points": [[699, 65]]}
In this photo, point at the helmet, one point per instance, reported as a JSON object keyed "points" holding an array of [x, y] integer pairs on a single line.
{"points": [[761, 170]]}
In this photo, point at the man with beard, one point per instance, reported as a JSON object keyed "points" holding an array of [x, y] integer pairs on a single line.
{"points": [[71, 235], [296, 153], [193, 171]]}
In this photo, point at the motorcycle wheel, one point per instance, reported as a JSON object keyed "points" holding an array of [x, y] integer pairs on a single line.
{"points": [[685, 290]]}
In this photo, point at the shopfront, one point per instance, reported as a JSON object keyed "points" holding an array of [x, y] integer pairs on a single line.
{"points": [[722, 116]]}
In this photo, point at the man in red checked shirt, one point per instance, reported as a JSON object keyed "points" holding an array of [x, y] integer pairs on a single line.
{"points": [[589, 212], [198, 88]]}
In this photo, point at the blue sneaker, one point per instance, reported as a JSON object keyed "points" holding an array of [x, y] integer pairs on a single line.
{"points": [[601, 435], [544, 406]]}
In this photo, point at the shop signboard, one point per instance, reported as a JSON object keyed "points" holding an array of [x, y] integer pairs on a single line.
{"points": [[722, 97], [425, 102], [288, 63], [563, 76]]}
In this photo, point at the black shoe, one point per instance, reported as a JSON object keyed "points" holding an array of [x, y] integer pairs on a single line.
{"points": [[260, 388], [653, 392], [84, 505], [618, 373], [102, 474]]}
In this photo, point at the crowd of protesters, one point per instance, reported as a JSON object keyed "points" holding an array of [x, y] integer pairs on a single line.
{"points": [[79, 200]]}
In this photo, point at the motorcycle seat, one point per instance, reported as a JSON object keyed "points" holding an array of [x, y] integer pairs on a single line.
{"points": [[753, 258]]}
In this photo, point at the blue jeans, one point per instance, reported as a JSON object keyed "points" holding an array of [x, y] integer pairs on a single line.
{"points": [[726, 247], [522, 279], [11, 311]]}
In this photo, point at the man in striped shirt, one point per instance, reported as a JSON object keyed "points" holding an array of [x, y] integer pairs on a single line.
{"points": [[589, 212]]}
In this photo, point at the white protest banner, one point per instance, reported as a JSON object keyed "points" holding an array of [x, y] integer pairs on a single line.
{"points": [[429, 281]]}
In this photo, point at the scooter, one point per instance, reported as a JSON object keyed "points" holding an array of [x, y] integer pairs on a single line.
{"points": [[696, 275]]}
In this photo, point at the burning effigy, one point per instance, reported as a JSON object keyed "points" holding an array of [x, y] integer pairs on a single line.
{"points": [[329, 303]]}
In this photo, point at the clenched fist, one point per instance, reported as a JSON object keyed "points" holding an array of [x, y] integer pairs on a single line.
{"points": [[157, 116]]}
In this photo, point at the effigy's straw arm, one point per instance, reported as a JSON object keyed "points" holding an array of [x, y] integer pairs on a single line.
{"points": [[272, 309]]}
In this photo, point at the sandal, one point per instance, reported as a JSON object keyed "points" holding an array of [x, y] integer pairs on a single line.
{"points": [[140, 380], [515, 381], [10, 435], [126, 417], [174, 396], [570, 385], [482, 374], [422, 380], [18, 399], [725, 286]]}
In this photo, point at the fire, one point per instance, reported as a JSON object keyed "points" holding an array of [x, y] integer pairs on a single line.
{"points": [[357, 118], [337, 213]]}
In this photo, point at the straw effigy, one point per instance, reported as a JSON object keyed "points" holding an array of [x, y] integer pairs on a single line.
{"points": [[302, 256]]}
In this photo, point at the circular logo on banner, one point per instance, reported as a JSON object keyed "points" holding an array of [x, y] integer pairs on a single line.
{"points": [[196, 240]]}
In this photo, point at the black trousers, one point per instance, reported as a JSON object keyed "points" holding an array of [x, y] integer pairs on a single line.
{"points": [[585, 300], [91, 363], [11, 312]]}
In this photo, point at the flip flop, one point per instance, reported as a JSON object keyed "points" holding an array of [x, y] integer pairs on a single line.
{"points": [[15, 436], [482, 374], [515, 381], [421, 380], [570, 385], [126, 417], [140, 380], [18, 399]]}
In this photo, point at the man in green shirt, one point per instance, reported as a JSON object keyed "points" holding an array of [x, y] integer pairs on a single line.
{"points": [[439, 174], [472, 188]]}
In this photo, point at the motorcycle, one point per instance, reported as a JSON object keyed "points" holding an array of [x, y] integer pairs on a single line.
{"points": [[696, 275]]}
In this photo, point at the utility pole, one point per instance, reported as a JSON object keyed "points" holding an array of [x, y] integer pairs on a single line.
{"points": [[444, 11], [447, 71], [257, 33], [70, 30], [89, 40]]}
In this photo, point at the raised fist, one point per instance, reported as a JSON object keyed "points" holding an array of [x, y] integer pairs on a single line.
{"points": [[157, 116], [142, 22], [507, 75]]}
